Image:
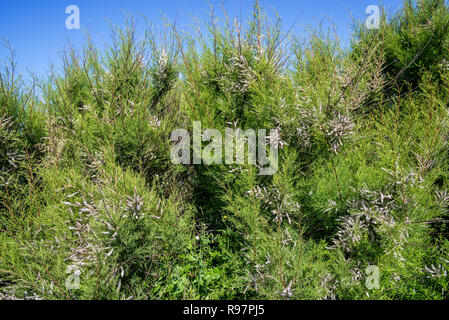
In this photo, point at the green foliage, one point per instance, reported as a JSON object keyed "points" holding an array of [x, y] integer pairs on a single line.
{"points": [[87, 187]]}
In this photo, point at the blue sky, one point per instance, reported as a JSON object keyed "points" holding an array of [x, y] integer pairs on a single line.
{"points": [[36, 28]]}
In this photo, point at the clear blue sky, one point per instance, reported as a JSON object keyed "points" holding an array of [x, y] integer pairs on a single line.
{"points": [[36, 28]]}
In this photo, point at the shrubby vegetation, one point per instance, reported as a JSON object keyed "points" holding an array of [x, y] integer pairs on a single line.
{"points": [[86, 178]]}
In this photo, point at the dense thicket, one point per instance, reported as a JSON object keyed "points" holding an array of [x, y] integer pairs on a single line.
{"points": [[86, 181]]}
